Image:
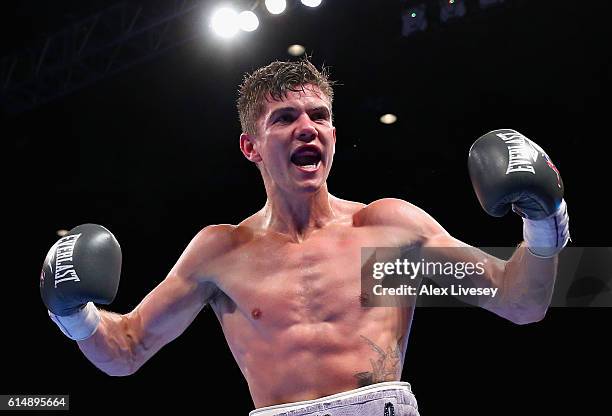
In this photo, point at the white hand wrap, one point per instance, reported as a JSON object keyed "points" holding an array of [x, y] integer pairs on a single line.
{"points": [[80, 325], [547, 237]]}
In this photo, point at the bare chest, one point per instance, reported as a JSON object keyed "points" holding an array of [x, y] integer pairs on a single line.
{"points": [[282, 284]]}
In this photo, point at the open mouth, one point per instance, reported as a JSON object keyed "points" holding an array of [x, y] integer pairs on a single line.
{"points": [[307, 158]]}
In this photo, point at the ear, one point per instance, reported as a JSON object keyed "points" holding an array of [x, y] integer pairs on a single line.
{"points": [[248, 147], [334, 136]]}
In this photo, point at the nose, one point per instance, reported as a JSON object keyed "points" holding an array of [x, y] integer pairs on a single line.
{"points": [[304, 130]]}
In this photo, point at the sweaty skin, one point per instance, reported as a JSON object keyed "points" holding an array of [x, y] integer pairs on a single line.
{"points": [[285, 283], [292, 312]]}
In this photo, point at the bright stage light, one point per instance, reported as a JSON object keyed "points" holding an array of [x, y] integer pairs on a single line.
{"points": [[248, 21], [311, 3], [388, 118], [224, 22], [276, 6], [296, 50]]}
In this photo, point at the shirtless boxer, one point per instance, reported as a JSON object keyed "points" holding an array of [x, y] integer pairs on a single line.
{"points": [[285, 282]]}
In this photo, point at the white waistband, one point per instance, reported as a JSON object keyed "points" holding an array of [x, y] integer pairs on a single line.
{"points": [[280, 408]]}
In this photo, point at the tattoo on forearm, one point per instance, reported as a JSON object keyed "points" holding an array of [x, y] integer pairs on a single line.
{"points": [[386, 367]]}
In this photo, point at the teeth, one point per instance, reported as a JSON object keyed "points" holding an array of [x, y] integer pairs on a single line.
{"points": [[311, 166]]}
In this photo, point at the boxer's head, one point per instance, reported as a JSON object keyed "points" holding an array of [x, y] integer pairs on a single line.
{"points": [[286, 117], [272, 83]]}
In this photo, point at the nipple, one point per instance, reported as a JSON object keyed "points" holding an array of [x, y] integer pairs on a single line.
{"points": [[364, 298], [256, 313]]}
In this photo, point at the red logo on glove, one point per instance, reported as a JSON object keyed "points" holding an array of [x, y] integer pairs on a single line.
{"points": [[553, 167]]}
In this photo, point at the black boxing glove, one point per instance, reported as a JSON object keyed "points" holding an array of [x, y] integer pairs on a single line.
{"points": [[81, 268], [509, 170]]}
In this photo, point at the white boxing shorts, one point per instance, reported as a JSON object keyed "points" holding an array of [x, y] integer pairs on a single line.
{"points": [[393, 398]]}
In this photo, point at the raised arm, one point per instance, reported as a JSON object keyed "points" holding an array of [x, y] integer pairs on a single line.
{"points": [[523, 284], [508, 171], [120, 344]]}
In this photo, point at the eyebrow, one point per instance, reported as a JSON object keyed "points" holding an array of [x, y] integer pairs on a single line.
{"points": [[293, 109], [320, 109]]}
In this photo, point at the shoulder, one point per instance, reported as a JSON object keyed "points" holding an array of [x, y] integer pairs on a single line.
{"points": [[393, 212], [214, 241], [207, 247], [213, 237], [390, 212]]}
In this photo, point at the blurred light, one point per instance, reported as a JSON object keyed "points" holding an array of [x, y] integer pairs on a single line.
{"points": [[311, 3], [451, 9], [489, 3], [62, 232], [276, 6], [248, 21], [388, 118], [413, 20], [296, 50], [224, 22]]}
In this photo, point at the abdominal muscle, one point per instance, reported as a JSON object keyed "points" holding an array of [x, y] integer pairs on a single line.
{"points": [[294, 318], [309, 360]]}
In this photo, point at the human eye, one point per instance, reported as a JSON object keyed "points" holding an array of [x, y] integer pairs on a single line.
{"points": [[320, 116], [283, 118], [319, 113]]}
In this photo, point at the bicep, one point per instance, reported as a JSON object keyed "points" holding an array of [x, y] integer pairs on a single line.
{"points": [[169, 309], [172, 306], [165, 313], [417, 229], [469, 267], [465, 268]]}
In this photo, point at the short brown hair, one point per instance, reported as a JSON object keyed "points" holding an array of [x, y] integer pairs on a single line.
{"points": [[277, 79]]}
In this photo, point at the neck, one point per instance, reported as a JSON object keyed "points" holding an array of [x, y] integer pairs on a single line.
{"points": [[297, 216]]}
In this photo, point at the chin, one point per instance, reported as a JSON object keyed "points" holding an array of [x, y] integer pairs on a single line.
{"points": [[309, 189]]}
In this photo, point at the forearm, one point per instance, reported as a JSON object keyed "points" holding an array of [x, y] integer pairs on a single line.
{"points": [[123, 343], [526, 286], [113, 347], [119, 344]]}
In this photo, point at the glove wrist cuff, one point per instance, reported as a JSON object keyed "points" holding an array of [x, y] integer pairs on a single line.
{"points": [[547, 237], [80, 325]]}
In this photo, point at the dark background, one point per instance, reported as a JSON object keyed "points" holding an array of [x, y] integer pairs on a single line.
{"points": [[152, 153]]}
